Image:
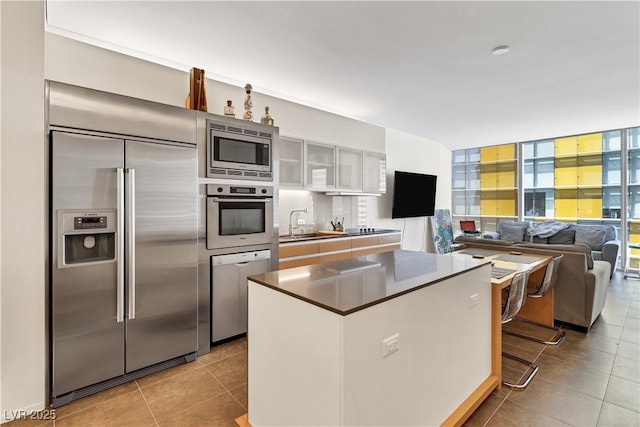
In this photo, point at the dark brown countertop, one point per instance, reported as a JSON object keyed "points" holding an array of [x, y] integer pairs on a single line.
{"points": [[350, 232], [353, 284]]}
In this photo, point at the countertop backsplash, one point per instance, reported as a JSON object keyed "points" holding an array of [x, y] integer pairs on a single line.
{"points": [[321, 210]]}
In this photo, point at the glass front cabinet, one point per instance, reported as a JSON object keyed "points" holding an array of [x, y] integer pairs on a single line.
{"points": [[291, 158], [374, 173], [349, 169], [320, 165]]}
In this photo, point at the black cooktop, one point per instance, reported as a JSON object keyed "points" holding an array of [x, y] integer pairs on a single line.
{"points": [[365, 231]]}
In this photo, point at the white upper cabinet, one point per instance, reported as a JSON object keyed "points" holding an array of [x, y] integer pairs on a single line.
{"points": [[349, 169], [317, 166], [320, 164], [374, 173], [291, 166]]}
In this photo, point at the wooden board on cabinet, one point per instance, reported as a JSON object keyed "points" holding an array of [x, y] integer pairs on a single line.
{"points": [[388, 238], [298, 250], [358, 242], [314, 260], [333, 245]]}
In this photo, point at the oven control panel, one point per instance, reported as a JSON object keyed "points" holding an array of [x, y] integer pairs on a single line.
{"points": [[249, 191]]}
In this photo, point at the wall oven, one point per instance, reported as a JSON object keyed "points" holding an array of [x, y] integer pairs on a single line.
{"points": [[239, 150], [239, 215]]}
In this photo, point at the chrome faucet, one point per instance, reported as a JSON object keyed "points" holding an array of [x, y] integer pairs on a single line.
{"points": [[291, 219]]}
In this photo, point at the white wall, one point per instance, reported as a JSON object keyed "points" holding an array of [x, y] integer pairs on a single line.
{"points": [[22, 208], [410, 153], [74, 62]]}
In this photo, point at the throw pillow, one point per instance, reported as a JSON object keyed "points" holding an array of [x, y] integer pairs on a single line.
{"points": [[563, 237], [537, 239], [592, 238], [512, 233]]}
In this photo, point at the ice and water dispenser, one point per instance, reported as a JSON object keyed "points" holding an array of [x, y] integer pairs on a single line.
{"points": [[87, 236]]}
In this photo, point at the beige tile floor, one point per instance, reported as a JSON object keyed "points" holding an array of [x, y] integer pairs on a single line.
{"points": [[588, 380], [211, 391]]}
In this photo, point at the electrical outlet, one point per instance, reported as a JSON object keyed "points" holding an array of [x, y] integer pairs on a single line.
{"points": [[473, 300], [301, 221], [390, 345]]}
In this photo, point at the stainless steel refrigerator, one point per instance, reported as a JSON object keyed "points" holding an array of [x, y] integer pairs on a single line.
{"points": [[123, 258]]}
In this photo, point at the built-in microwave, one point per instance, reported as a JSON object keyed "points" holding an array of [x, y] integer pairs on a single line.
{"points": [[239, 150]]}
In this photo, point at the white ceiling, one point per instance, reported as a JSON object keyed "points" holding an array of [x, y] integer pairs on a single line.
{"points": [[420, 67]]}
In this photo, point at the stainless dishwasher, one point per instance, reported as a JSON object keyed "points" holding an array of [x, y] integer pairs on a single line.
{"points": [[229, 290]]}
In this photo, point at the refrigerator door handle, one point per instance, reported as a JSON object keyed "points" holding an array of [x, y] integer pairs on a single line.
{"points": [[131, 249], [120, 246]]}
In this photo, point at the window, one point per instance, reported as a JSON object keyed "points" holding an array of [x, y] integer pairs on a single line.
{"points": [[633, 193], [571, 179], [484, 185]]}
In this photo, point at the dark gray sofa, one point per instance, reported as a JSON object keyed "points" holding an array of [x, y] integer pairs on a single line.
{"points": [[581, 290], [602, 239]]}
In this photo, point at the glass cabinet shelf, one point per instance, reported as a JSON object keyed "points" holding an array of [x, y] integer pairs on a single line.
{"points": [[320, 164]]}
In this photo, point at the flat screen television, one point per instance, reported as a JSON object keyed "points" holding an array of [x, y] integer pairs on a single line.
{"points": [[414, 195]]}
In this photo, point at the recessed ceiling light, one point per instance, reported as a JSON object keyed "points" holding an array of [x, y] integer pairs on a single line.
{"points": [[500, 50]]}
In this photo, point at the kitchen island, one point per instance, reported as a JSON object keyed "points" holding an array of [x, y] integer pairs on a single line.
{"points": [[396, 338]]}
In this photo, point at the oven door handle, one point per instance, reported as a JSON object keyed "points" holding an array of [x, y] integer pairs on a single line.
{"points": [[244, 200]]}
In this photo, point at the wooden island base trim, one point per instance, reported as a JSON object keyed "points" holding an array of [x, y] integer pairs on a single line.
{"points": [[471, 403], [459, 416], [243, 420]]}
